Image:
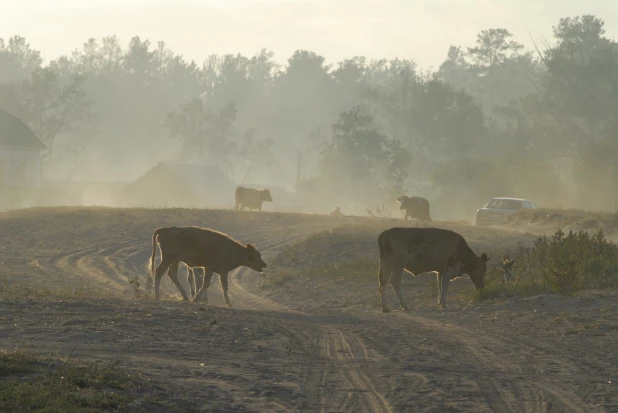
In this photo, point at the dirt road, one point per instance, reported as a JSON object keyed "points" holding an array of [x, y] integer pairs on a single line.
{"points": [[291, 350]]}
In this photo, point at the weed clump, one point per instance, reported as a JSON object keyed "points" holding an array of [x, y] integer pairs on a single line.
{"points": [[563, 264]]}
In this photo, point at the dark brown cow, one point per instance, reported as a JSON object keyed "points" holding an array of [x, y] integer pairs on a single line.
{"points": [[214, 251], [251, 198], [415, 207], [421, 250]]}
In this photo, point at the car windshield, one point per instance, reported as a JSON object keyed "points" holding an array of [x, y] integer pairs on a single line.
{"points": [[504, 204]]}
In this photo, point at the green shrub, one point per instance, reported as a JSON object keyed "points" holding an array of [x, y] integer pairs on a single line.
{"points": [[562, 263], [576, 261]]}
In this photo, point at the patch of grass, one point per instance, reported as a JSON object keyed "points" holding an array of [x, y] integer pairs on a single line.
{"points": [[33, 384]]}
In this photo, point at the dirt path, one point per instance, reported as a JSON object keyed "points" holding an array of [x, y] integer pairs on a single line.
{"points": [[289, 355]]}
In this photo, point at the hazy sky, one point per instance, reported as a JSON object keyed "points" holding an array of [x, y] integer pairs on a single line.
{"points": [[419, 29]]}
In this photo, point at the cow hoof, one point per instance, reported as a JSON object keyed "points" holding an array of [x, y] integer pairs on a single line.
{"points": [[385, 310], [405, 308]]}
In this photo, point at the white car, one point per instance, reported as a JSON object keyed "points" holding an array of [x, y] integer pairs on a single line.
{"points": [[498, 210]]}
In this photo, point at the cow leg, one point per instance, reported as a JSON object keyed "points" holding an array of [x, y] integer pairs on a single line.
{"points": [[172, 272], [199, 280], [384, 278], [223, 281], [191, 281], [396, 284], [444, 279], [202, 294], [161, 269]]}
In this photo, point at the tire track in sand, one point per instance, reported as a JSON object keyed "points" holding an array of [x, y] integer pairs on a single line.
{"points": [[519, 387]]}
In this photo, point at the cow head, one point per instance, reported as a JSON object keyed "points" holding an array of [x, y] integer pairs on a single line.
{"points": [[265, 196], [477, 275], [402, 200], [254, 259]]}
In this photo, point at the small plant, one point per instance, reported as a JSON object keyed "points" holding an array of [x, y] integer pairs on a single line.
{"points": [[507, 265]]}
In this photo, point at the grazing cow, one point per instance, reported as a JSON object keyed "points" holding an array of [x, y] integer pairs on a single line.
{"points": [[214, 251], [415, 206], [421, 250], [336, 213], [251, 198]]}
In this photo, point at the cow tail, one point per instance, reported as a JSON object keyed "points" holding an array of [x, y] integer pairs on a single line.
{"points": [[151, 265]]}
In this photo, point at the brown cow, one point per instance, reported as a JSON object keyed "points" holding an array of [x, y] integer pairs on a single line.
{"points": [[415, 206], [251, 198], [421, 250], [214, 251]]}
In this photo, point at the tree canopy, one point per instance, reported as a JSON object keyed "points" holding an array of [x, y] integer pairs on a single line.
{"points": [[494, 119]]}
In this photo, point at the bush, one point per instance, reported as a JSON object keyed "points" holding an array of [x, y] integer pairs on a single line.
{"points": [[562, 263], [576, 261]]}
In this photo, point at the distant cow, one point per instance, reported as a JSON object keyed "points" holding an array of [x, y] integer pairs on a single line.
{"points": [[336, 213], [200, 247], [251, 198], [421, 250], [415, 207]]}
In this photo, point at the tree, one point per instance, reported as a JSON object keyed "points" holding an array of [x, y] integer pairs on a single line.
{"points": [[254, 153], [209, 134], [361, 163], [17, 60], [140, 61], [495, 71], [583, 77], [493, 47], [53, 110]]}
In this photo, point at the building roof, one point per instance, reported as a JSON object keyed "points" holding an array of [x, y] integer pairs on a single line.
{"points": [[15, 133], [180, 184], [199, 178]]}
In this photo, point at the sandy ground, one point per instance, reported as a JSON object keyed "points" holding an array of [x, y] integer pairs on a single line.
{"points": [[314, 345]]}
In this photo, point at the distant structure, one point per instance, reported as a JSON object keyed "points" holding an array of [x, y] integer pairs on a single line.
{"points": [[20, 154], [180, 184]]}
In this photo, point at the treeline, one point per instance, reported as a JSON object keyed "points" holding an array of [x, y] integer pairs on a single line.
{"points": [[494, 119]]}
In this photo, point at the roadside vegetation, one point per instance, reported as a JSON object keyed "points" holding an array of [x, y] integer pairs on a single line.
{"points": [[563, 263]]}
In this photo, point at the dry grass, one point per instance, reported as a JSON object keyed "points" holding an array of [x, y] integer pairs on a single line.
{"points": [[31, 383], [567, 218]]}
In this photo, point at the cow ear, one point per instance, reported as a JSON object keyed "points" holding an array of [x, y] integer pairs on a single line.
{"points": [[250, 247], [484, 257]]}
